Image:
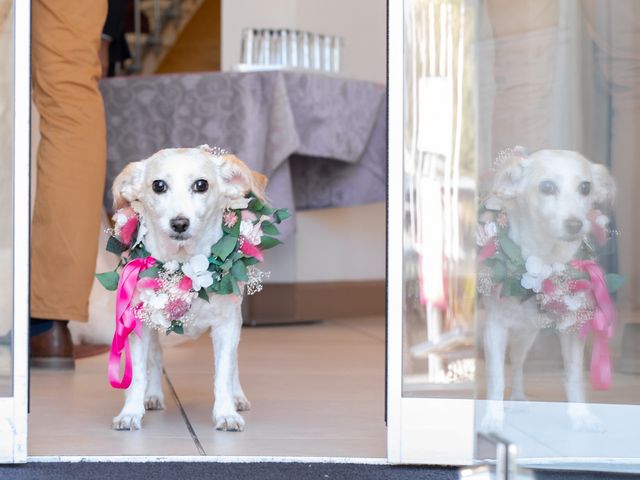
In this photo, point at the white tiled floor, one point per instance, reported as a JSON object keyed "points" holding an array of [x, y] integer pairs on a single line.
{"points": [[316, 390]]}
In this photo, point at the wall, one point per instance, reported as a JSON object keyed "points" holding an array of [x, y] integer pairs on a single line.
{"points": [[337, 244]]}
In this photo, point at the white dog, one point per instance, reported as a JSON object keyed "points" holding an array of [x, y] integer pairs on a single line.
{"points": [[546, 197], [182, 194]]}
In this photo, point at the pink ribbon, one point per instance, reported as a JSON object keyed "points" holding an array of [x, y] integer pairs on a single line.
{"points": [[601, 325], [126, 321]]}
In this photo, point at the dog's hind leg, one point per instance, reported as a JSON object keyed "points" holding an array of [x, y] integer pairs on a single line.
{"points": [[154, 398], [495, 346], [519, 345], [573, 356], [226, 336], [130, 418]]}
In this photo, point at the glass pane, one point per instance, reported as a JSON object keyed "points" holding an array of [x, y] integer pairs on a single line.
{"points": [[6, 195], [522, 266]]}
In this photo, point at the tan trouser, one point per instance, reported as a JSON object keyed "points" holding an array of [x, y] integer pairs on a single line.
{"points": [[71, 156]]}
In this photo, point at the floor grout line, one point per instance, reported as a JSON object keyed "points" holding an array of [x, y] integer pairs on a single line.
{"points": [[192, 432], [359, 330]]}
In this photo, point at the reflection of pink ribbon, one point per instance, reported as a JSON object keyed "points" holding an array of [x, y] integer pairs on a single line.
{"points": [[126, 321], [601, 325]]}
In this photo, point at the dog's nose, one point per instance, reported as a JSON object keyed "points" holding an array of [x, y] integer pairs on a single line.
{"points": [[573, 225], [179, 224]]}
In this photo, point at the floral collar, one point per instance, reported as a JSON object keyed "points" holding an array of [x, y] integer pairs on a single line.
{"points": [[563, 291], [166, 290]]}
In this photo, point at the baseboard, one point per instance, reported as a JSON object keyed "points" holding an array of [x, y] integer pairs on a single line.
{"points": [[311, 301]]}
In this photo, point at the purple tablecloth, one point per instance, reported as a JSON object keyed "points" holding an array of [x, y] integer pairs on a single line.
{"points": [[320, 139]]}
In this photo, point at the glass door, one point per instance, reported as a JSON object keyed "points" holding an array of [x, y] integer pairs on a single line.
{"points": [[14, 240], [514, 267]]}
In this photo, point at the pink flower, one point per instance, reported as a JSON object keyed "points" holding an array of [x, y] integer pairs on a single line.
{"points": [[488, 251], [176, 309], [150, 283], [249, 215], [548, 287], [185, 284], [250, 249], [230, 219], [128, 229]]}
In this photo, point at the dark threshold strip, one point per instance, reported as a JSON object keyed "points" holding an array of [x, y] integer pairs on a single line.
{"points": [[184, 415]]}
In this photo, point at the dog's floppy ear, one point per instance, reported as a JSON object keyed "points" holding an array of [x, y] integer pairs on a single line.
{"points": [[507, 181], [604, 186], [128, 185], [238, 179]]}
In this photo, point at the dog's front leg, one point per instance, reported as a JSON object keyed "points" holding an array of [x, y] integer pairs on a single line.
{"points": [[573, 357], [130, 418], [154, 398], [226, 336], [495, 346]]}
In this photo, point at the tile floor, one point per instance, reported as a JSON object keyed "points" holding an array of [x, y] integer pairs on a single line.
{"points": [[316, 390]]}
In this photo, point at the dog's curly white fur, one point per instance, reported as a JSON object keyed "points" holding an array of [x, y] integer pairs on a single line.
{"points": [[199, 213], [547, 196]]}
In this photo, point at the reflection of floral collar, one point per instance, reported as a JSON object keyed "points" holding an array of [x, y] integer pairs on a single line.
{"points": [[166, 290], [575, 295], [563, 291]]}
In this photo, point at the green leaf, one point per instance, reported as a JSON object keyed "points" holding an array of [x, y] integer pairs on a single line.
{"points": [[614, 282], [267, 210], [151, 272], [225, 287], [510, 248], [239, 271], [176, 327], [116, 246], [268, 242], [498, 272], [109, 280], [281, 214], [513, 288], [255, 205], [248, 261], [270, 229], [223, 247], [202, 293]]}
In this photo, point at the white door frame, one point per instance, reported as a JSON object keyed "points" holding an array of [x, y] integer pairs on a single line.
{"points": [[13, 410], [420, 430]]}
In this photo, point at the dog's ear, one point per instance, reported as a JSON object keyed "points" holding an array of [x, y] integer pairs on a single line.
{"points": [[508, 179], [128, 185], [238, 179], [604, 186]]}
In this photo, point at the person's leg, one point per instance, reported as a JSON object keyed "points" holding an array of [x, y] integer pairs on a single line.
{"points": [[71, 157]]}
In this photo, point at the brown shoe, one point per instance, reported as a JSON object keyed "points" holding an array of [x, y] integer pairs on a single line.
{"points": [[52, 349]]}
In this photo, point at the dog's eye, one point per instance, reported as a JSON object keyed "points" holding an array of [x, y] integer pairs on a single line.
{"points": [[547, 187], [159, 186], [585, 188], [200, 186]]}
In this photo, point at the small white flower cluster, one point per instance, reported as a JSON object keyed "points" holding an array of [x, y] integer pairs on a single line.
{"points": [[256, 276], [537, 272]]}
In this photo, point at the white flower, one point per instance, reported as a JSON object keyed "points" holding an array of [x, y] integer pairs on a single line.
{"points": [[574, 302], [252, 232], [171, 266], [142, 231], [238, 203], [120, 219], [602, 220], [160, 319], [558, 267], [491, 229], [196, 270], [537, 272], [155, 300]]}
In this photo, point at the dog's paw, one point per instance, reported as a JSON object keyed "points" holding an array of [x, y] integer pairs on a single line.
{"points": [[126, 421], [242, 404], [491, 424], [229, 422], [154, 402]]}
